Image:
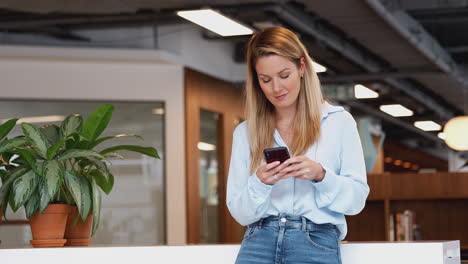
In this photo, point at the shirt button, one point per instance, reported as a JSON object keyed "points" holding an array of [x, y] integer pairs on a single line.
{"points": [[283, 220]]}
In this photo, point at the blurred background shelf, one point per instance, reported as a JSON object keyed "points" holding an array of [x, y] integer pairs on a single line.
{"points": [[439, 200]]}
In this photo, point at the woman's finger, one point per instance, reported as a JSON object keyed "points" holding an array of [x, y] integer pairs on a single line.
{"points": [[272, 165], [293, 167], [295, 160], [302, 173]]}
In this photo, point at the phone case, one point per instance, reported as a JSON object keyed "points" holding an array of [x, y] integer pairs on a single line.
{"points": [[280, 154]]}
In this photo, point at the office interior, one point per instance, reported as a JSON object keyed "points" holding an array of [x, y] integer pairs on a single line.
{"points": [[399, 67]]}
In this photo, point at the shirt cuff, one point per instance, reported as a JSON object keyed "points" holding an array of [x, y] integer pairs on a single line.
{"points": [[328, 183], [257, 187]]}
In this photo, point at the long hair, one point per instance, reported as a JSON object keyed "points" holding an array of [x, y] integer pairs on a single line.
{"points": [[260, 113]]}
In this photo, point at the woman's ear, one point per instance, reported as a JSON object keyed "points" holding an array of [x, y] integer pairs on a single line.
{"points": [[303, 65]]}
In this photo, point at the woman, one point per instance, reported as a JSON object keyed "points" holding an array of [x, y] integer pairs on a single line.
{"points": [[294, 210]]}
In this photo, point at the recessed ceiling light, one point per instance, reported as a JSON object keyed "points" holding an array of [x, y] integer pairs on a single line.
{"points": [[427, 125], [442, 135], [215, 22], [318, 67], [206, 146], [396, 110], [362, 92]]}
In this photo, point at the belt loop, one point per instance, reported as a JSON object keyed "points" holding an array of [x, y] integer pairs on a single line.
{"points": [[260, 223], [304, 224]]}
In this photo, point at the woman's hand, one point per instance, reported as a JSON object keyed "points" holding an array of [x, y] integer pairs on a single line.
{"points": [[301, 167], [267, 173]]}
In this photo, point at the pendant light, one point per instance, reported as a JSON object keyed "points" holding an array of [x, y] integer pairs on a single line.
{"points": [[456, 129]]}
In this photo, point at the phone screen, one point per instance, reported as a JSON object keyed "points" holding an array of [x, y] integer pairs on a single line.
{"points": [[280, 154]]}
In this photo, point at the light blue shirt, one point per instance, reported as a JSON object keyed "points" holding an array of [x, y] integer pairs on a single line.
{"points": [[343, 191]]}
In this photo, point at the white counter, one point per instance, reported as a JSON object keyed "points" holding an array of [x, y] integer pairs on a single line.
{"points": [[430, 252]]}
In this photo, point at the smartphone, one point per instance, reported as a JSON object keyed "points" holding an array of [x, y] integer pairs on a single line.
{"points": [[280, 154]]}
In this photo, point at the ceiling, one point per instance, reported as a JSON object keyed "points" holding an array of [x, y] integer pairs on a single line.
{"points": [[413, 52]]}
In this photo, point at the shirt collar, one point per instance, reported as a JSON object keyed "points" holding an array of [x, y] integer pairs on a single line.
{"points": [[327, 109]]}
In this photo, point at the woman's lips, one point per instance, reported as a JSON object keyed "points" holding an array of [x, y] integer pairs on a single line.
{"points": [[281, 97]]}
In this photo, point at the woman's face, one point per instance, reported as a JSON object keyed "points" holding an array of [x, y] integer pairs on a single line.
{"points": [[279, 79]]}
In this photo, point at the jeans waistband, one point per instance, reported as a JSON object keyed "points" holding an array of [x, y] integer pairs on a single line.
{"points": [[293, 221]]}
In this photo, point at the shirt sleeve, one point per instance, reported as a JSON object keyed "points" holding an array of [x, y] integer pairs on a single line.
{"points": [[247, 197], [347, 191]]}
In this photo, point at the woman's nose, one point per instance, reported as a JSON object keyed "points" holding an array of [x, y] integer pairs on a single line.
{"points": [[276, 86]]}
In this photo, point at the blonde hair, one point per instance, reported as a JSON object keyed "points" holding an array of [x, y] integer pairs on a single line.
{"points": [[260, 113]]}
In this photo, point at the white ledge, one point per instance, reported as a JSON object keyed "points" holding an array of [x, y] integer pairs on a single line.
{"points": [[427, 252]]}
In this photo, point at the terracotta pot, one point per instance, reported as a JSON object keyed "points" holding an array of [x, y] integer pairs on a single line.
{"points": [[48, 228], [79, 234]]}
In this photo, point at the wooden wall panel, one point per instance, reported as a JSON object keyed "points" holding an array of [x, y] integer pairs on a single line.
{"points": [[397, 186], [205, 92], [369, 225], [428, 186], [379, 186]]}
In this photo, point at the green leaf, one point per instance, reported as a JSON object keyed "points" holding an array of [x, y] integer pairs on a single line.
{"points": [[71, 125], [40, 168], [99, 164], [79, 153], [3, 175], [53, 150], [97, 122], [80, 190], [86, 197], [32, 205], [27, 156], [72, 142], [53, 176], [72, 183], [22, 189], [10, 144], [96, 205], [6, 127], [44, 196], [149, 151], [7, 156], [5, 189], [100, 140], [105, 180], [37, 139], [113, 155], [52, 133]]}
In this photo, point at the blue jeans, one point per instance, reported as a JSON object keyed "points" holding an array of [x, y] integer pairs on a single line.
{"points": [[287, 239]]}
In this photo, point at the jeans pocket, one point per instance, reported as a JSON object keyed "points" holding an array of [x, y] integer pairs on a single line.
{"points": [[323, 239], [250, 232]]}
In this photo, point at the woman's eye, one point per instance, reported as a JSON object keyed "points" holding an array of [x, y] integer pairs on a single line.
{"points": [[284, 77], [266, 81]]}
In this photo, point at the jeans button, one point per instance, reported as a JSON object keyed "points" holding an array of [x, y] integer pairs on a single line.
{"points": [[283, 220]]}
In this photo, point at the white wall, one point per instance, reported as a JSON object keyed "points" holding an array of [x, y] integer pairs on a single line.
{"points": [[213, 57], [108, 74]]}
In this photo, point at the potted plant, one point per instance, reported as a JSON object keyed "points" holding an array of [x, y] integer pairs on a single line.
{"points": [[61, 166], [95, 170], [5, 128]]}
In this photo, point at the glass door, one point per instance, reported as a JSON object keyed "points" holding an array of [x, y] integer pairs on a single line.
{"points": [[209, 176]]}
